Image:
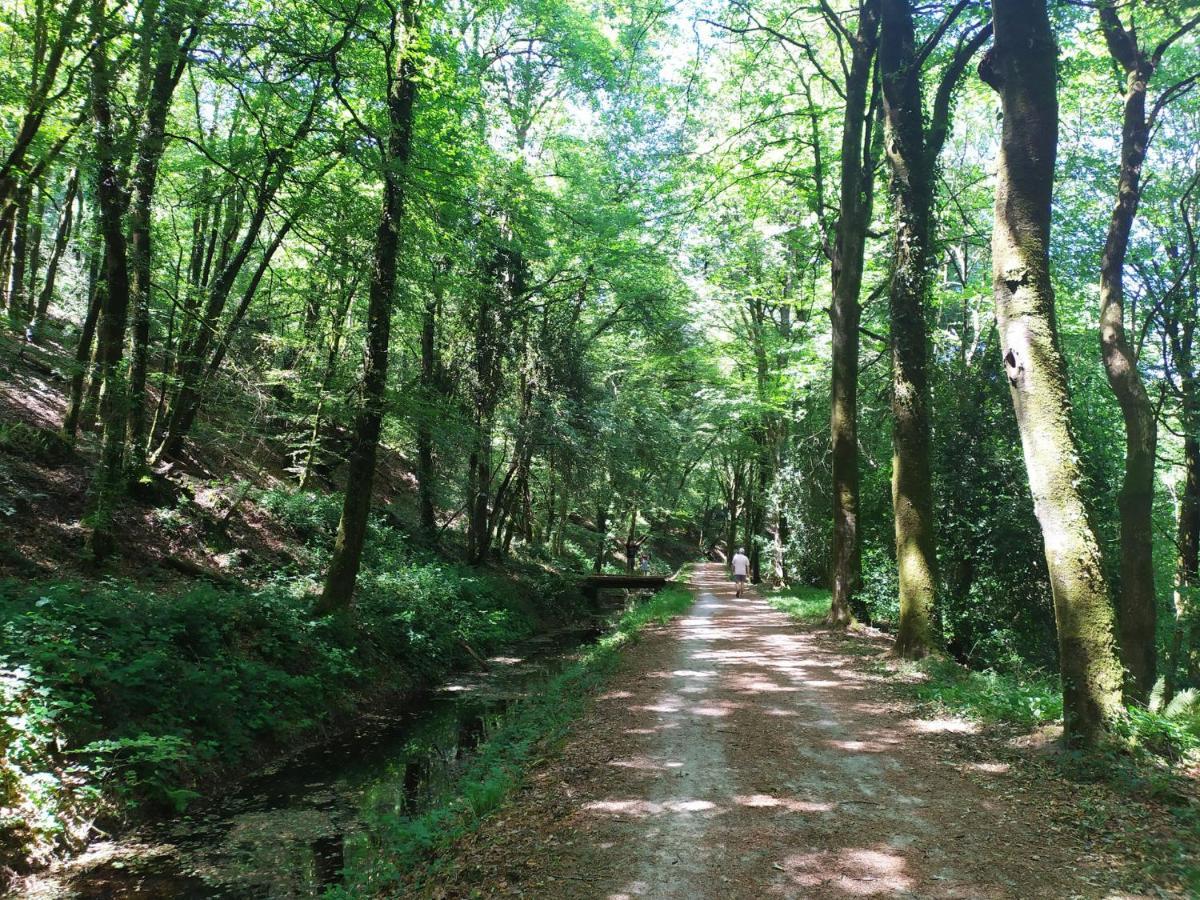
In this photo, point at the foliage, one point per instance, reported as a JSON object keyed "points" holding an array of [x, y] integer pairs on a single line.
{"points": [[39, 444], [122, 701], [1027, 699]]}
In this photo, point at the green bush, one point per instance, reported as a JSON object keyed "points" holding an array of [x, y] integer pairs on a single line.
{"points": [[880, 589], [44, 445], [120, 701], [1171, 730], [308, 513]]}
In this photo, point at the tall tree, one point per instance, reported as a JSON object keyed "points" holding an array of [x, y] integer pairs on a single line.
{"points": [[106, 485], [846, 260], [1137, 607], [396, 149], [1021, 67], [165, 42], [912, 154]]}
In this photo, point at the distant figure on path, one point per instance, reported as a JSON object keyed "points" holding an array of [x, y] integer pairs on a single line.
{"points": [[645, 563], [741, 565]]}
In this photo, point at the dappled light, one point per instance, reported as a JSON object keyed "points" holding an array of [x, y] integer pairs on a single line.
{"points": [[599, 448], [753, 760], [853, 873]]}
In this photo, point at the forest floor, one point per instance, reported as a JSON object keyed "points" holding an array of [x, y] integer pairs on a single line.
{"points": [[739, 754]]}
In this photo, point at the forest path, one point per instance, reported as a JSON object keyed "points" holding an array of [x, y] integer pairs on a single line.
{"points": [[739, 755]]}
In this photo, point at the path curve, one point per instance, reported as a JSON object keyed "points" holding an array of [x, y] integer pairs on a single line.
{"points": [[738, 755]]}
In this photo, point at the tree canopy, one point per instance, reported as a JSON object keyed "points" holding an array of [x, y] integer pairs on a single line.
{"points": [[564, 281]]}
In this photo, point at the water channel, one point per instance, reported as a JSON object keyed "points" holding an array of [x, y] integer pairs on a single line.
{"points": [[282, 832]]}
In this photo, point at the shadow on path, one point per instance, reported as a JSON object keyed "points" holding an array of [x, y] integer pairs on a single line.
{"points": [[738, 755]]}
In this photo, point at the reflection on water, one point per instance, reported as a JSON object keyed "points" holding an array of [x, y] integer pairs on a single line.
{"points": [[284, 832]]}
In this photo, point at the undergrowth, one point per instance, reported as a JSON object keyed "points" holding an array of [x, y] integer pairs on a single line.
{"points": [[118, 702], [380, 863], [1024, 698], [801, 602]]}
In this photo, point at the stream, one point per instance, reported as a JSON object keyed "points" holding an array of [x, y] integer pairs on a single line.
{"points": [[284, 831]]}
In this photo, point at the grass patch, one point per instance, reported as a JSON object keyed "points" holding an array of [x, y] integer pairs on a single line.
{"points": [[801, 602], [1028, 699], [1025, 699], [384, 861]]}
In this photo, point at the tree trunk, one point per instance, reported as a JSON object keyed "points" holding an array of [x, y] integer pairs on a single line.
{"points": [[35, 255], [106, 485], [1136, 607], [602, 545], [1187, 541], [8, 221], [337, 331], [733, 508], [95, 384], [502, 271], [1187, 576], [631, 544], [912, 197], [162, 80], [20, 248], [360, 477], [478, 525], [854, 213], [83, 350], [426, 471], [1021, 67], [61, 237]]}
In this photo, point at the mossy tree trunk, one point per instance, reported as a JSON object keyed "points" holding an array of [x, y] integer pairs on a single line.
{"points": [[368, 424], [912, 197], [106, 486], [846, 263], [1137, 606], [1021, 68], [912, 153]]}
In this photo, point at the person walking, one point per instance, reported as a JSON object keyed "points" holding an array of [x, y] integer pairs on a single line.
{"points": [[741, 566]]}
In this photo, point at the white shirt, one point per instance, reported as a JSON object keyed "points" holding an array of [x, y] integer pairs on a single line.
{"points": [[741, 563]]}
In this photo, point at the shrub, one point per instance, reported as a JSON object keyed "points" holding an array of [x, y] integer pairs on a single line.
{"points": [[880, 588], [43, 445], [120, 701]]}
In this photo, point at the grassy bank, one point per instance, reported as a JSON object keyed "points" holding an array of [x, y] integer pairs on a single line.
{"points": [[120, 702], [386, 861], [1019, 696]]}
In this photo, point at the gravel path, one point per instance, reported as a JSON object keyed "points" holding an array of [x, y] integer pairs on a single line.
{"points": [[738, 755]]}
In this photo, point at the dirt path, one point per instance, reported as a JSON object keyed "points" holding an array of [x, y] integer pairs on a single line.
{"points": [[741, 756]]}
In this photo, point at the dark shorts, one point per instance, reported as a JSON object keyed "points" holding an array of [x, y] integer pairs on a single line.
{"points": [[740, 579]]}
